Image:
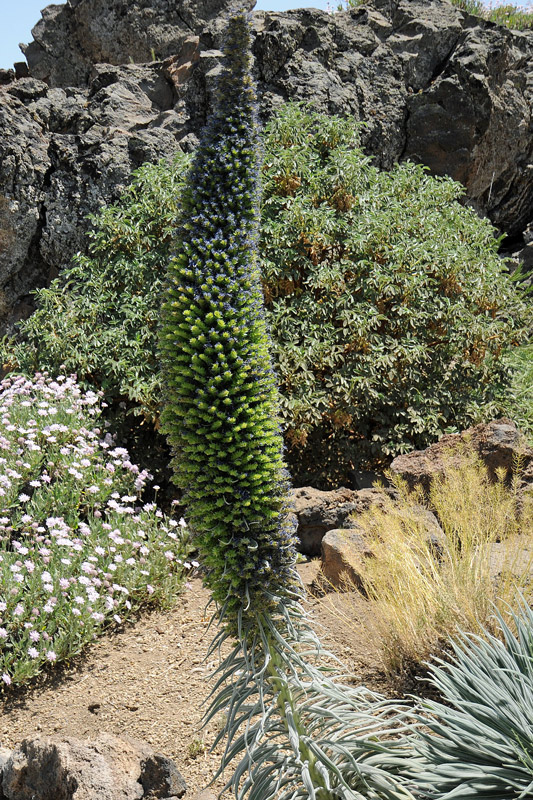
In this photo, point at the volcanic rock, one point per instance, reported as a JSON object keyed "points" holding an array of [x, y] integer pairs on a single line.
{"points": [[108, 768], [431, 83]]}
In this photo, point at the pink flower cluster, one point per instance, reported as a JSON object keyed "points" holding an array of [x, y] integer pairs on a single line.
{"points": [[77, 546]]}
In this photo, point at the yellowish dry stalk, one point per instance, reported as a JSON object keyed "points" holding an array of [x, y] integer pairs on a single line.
{"points": [[422, 594]]}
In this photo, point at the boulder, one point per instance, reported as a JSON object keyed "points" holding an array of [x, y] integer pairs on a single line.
{"points": [[70, 38], [344, 550], [499, 444], [160, 778], [108, 768], [63, 153], [318, 512]]}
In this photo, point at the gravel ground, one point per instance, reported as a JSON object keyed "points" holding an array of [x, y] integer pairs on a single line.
{"points": [[149, 681]]}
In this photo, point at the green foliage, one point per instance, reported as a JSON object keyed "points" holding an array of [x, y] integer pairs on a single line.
{"points": [[389, 305], [518, 402], [99, 319], [79, 550], [480, 743], [390, 310], [518, 18]]}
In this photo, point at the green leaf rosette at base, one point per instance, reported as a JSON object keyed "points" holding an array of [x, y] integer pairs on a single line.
{"points": [[479, 743]]}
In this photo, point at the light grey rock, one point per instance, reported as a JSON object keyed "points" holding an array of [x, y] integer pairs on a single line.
{"points": [[5, 755], [108, 768]]}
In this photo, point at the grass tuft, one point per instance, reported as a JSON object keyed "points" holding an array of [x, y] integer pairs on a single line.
{"points": [[424, 588], [517, 18]]}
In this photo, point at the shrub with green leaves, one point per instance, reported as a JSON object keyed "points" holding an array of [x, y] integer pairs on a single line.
{"points": [[480, 744], [79, 549], [389, 307], [99, 319]]}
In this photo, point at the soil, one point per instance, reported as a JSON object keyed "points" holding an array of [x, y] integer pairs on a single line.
{"points": [[150, 679]]}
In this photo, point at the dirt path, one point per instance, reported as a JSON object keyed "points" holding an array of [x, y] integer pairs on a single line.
{"points": [[150, 680]]}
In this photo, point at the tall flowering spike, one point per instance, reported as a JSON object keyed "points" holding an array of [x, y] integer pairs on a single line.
{"points": [[221, 397], [295, 731]]}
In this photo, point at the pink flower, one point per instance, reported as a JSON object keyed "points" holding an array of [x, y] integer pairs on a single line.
{"points": [[33, 652], [50, 655], [6, 679]]}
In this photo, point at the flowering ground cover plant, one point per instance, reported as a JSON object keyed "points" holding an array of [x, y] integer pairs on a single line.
{"points": [[78, 549]]}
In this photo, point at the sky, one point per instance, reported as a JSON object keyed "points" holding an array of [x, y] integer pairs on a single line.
{"points": [[19, 17]]}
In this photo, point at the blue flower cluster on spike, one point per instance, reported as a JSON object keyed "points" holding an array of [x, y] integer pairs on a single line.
{"points": [[220, 410]]}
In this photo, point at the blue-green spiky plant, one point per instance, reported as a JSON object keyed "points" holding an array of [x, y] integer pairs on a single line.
{"points": [[297, 733], [480, 744]]}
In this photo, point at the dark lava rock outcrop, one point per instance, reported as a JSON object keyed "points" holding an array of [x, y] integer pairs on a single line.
{"points": [[70, 38], [431, 83]]}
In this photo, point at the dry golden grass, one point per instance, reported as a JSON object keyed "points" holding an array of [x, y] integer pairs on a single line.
{"points": [[425, 588]]}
